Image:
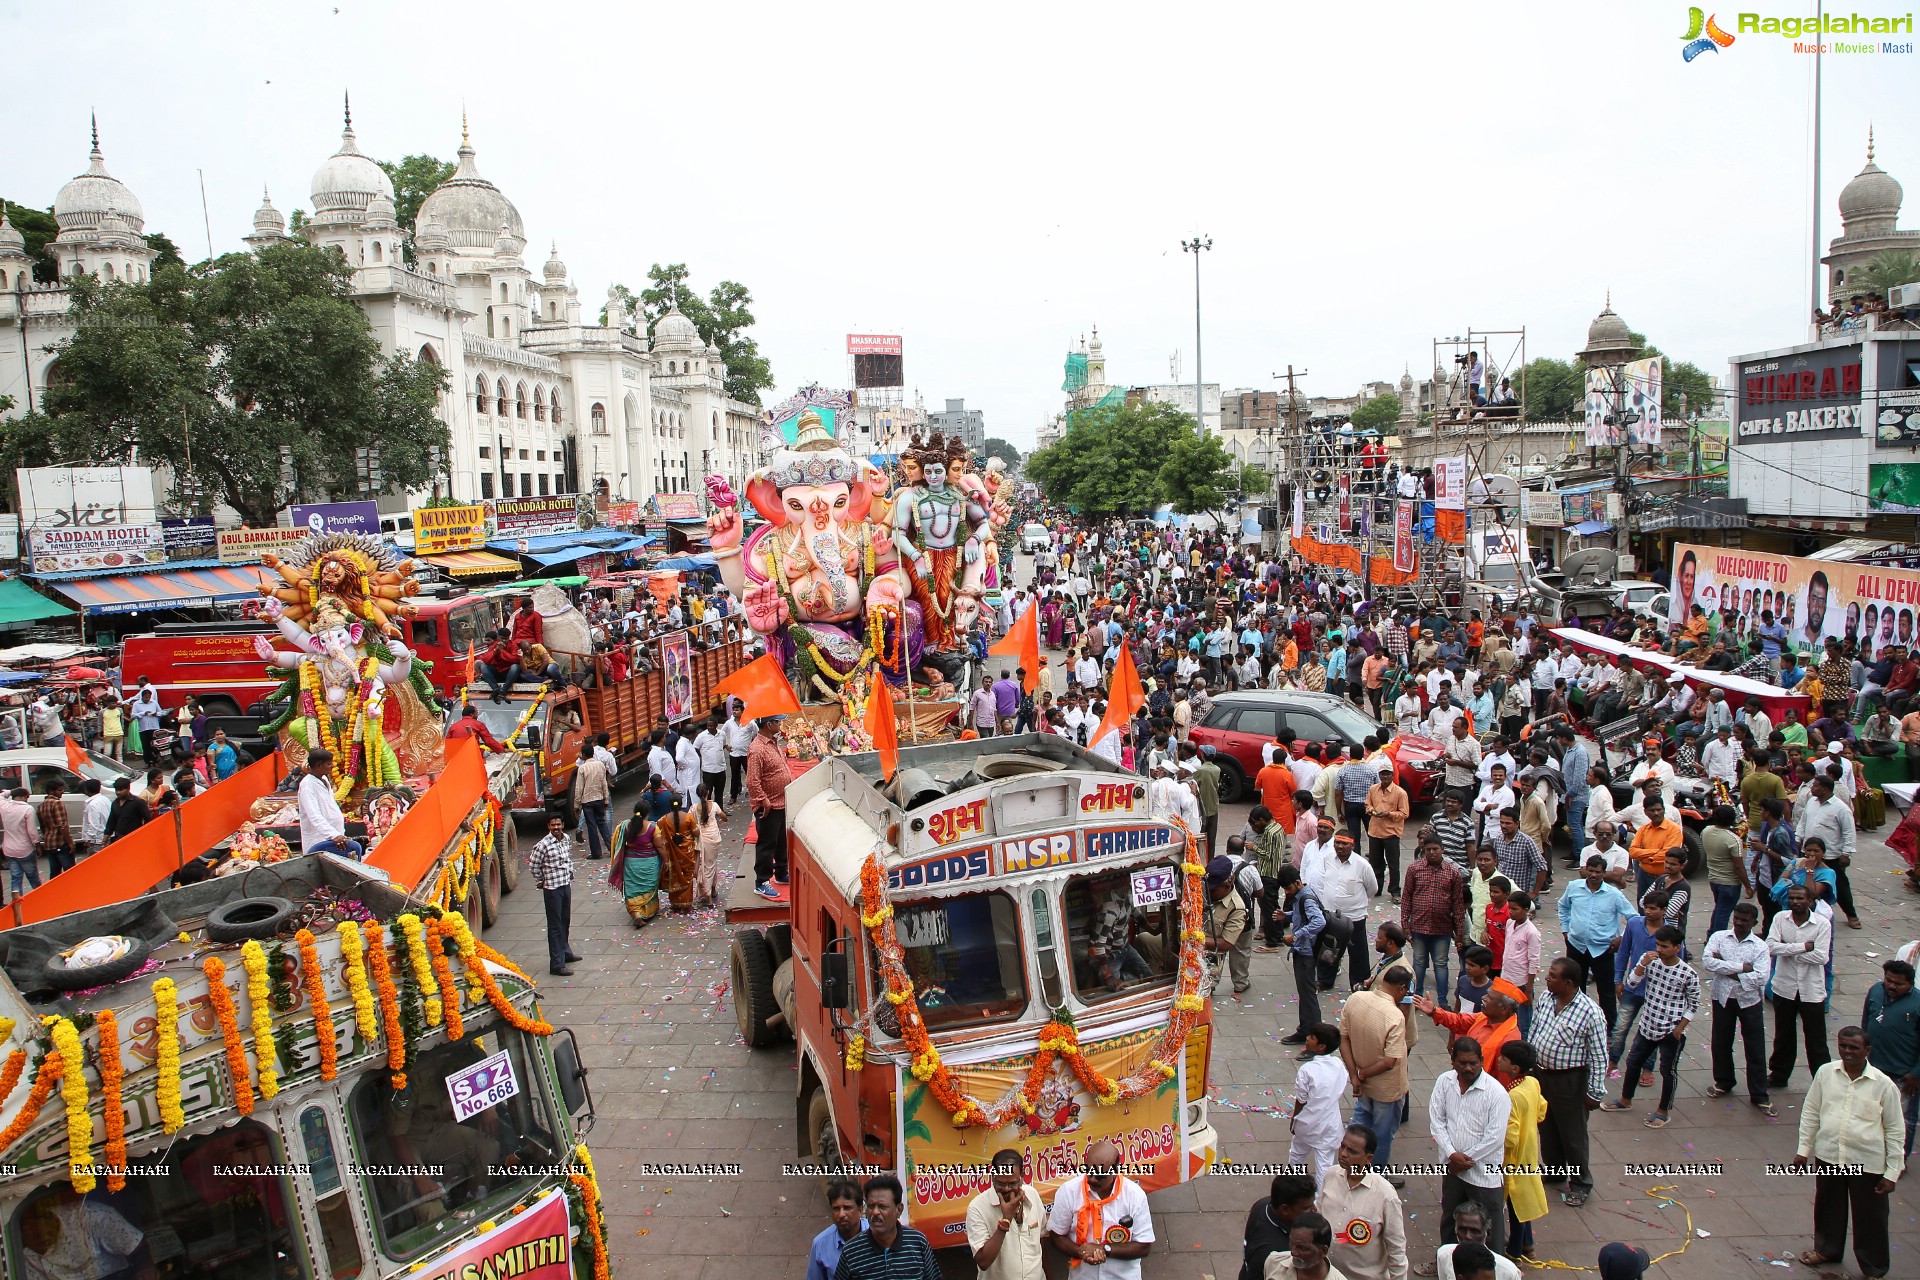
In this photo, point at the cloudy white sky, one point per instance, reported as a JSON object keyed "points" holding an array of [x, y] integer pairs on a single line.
{"points": [[990, 180]]}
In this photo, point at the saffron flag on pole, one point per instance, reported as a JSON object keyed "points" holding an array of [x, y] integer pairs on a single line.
{"points": [[880, 726], [762, 689], [1023, 642], [1124, 695], [76, 758]]}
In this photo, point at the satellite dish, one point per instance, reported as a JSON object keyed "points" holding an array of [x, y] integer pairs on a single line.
{"points": [[1494, 491]]}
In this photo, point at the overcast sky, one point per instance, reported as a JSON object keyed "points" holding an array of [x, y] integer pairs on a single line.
{"points": [[991, 180]]}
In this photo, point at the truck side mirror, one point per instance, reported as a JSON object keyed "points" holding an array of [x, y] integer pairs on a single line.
{"points": [[573, 1077], [835, 990], [533, 737]]}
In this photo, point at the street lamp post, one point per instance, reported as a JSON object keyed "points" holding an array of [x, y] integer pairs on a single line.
{"points": [[1194, 246]]}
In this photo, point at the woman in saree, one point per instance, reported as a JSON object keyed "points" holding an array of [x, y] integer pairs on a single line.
{"points": [[677, 837], [636, 867], [1055, 620]]}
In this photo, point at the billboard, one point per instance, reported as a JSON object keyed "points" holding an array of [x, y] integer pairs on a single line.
{"points": [[437, 529], [337, 517], [1816, 600], [873, 344], [112, 548], [678, 506], [1404, 560], [191, 538], [1596, 406], [242, 546], [878, 371], [522, 517], [1450, 499], [1804, 396], [84, 497], [1643, 399]]}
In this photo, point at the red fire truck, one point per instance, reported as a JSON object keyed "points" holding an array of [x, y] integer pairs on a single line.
{"points": [[215, 662]]}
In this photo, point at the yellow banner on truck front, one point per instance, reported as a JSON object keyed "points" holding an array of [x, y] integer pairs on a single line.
{"points": [[944, 1168], [437, 529]]}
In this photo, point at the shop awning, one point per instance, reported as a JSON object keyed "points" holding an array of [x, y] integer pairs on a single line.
{"points": [[566, 549], [21, 603], [1587, 528], [185, 589], [469, 564]]}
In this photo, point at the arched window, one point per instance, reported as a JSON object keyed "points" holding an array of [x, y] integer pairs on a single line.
{"points": [[539, 404], [108, 267], [376, 251], [553, 402], [672, 367], [503, 291], [599, 415], [500, 397], [479, 395], [520, 400]]}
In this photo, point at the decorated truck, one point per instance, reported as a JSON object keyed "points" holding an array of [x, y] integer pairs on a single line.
{"points": [[999, 947]]}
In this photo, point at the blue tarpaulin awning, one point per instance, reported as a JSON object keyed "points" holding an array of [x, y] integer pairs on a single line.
{"points": [[562, 548], [688, 563], [1587, 528]]}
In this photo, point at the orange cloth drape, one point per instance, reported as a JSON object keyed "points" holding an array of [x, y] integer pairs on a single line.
{"points": [[1339, 555]]}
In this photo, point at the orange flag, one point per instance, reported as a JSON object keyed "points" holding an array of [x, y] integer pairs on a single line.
{"points": [[1023, 642], [762, 689], [76, 758], [880, 726], [1124, 695]]}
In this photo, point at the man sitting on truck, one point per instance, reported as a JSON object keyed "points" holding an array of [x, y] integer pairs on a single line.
{"points": [[500, 665], [323, 829]]}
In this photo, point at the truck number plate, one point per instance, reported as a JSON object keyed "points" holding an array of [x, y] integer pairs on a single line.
{"points": [[1154, 886], [487, 1083]]}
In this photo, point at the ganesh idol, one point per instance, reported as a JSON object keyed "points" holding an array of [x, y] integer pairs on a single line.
{"points": [[822, 579]]}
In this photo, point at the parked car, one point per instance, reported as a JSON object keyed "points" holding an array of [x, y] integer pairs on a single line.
{"points": [[1035, 537], [1239, 724], [35, 767]]}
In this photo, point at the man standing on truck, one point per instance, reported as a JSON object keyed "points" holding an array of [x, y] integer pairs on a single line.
{"points": [[499, 666], [767, 796]]}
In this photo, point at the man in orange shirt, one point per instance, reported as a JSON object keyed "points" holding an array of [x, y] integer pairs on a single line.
{"points": [[1276, 787], [1494, 1025], [1476, 632], [1651, 845]]}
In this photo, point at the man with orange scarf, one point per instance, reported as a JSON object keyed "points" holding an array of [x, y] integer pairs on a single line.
{"points": [[1495, 1024], [1100, 1219]]}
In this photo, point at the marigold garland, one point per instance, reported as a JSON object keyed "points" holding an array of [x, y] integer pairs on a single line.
{"points": [[10, 1074], [317, 998], [596, 1231], [229, 1033], [52, 1067], [253, 958], [389, 1004], [488, 954], [422, 966], [503, 1006], [112, 1073], [353, 949], [1057, 1040], [463, 942], [443, 974], [166, 1009], [73, 1089]]}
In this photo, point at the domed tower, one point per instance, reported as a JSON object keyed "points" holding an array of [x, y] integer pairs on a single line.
{"points": [[100, 221], [268, 226], [432, 247], [343, 188], [559, 301], [1609, 341], [676, 343], [485, 237], [16, 268], [1869, 218]]}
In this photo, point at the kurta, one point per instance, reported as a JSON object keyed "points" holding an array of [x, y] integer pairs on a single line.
{"points": [[1524, 1190]]}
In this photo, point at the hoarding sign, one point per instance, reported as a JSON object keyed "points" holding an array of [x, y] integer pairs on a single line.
{"points": [[1816, 600], [438, 529], [536, 515], [874, 344], [85, 497], [238, 546], [678, 506], [1403, 553], [1810, 395], [337, 517], [536, 1244], [1542, 508], [113, 548], [192, 538], [624, 515]]}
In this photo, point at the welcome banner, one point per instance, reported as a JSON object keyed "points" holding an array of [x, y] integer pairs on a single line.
{"points": [[1816, 600]]}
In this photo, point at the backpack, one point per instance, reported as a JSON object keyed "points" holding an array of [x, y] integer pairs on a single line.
{"points": [[1332, 941], [1246, 881]]}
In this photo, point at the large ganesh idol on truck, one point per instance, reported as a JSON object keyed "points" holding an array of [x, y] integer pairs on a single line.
{"points": [[351, 686], [834, 583]]}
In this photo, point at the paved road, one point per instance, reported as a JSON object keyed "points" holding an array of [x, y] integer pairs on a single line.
{"points": [[672, 1081]]}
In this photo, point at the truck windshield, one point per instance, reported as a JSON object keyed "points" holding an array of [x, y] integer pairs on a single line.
{"points": [[1118, 947], [221, 1209], [430, 1175], [964, 956]]}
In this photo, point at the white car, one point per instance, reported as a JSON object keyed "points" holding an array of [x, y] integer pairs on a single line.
{"points": [[1035, 537], [35, 767]]}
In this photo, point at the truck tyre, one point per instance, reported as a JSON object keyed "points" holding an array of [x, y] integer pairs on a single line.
{"points": [[489, 888], [245, 919], [780, 938], [61, 976], [506, 847], [754, 1007], [783, 993], [822, 1138]]}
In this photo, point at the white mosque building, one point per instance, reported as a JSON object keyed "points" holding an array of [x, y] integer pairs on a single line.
{"points": [[541, 400]]}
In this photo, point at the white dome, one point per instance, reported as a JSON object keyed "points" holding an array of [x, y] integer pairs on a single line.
{"points": [[267, 220], [346, 182], [381, 213], [86, 199], [674, 331], [555, 271], [11, 241], [473, 212]]}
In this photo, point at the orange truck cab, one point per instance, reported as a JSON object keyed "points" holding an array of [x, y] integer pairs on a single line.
{"points": [[1030, 887]]}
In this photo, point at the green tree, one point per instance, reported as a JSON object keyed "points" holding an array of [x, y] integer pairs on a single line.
{"points": [[1255, 481], [1552, 390], [1887, 269], [1198, 474], [995, 447], [722, 318], [168, 251], [414, 179], [213, 370], [1378, 414], [36, 227], [1127, 459]]}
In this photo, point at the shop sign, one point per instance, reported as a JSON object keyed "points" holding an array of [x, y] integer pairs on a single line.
{"points": [[112, 548], [240, 546]]}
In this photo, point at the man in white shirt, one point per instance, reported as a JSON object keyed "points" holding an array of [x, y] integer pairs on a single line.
{"points": [[1111, 1238], [1006, 1223], [1306, 768], [686, 767], [1108, 747], [1470, 1227], [710, 745], [1347, 887], [1836, 757], [1853, 1137], [1738, 963], [1315, 857], [1496, 754], [322, 827], [1086, 672], [1654, 765], [1467, 1113], [1494, 799], [661, 761], [93, 825], [1406, 711], [1721, 758], [1801, 943], [1440, 719], [1606, 845], [739, 735]]}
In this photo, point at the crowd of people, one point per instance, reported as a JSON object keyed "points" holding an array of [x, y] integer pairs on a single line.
{"points": [[1538, 1041]]}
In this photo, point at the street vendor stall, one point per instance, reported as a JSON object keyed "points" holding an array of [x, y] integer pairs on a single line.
{"points": [[1773, 699]]}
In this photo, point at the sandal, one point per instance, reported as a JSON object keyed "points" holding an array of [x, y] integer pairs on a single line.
{"points": [[1767, 1109], [1614, 1104], [1809, 1258], [1658, 1120], [1853, 922], [1715, 1091], [1574, 1199], [1646, 1079]]}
